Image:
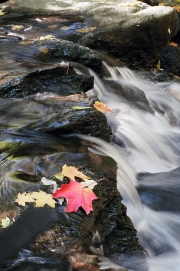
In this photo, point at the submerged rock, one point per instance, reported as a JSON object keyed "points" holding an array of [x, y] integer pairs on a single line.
{"points": [[54, 115]]}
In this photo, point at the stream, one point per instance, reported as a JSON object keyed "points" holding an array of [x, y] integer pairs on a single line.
{"points": [[146, 149], [145, 144]]}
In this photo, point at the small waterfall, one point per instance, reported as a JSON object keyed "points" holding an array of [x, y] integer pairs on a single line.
{"points": [[147, 135], [151, 144]]}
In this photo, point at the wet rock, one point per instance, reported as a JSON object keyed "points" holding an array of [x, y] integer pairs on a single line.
{"points": [[69, 51], [54, 78], [134, 32], [109, 218], [154, 190], [55, 115], [170, 59]]}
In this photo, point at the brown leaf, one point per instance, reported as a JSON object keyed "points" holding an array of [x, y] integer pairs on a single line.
{"points": [[173, 44], [102, 107], [177, 8]]}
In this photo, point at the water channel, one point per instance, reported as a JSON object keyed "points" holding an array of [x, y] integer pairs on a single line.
{"points": [[145, 142]]}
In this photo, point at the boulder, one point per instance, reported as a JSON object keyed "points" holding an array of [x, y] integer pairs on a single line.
{"points": [[133, 31]]}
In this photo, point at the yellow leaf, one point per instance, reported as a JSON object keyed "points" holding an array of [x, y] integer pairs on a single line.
{"points": [[6, 222], [46, 37], [102, 107], [44, 50], [59, 176], [64, 28], [161, 4], [17, 27], [41, 198], [76, 107], [72, 172], [22, 199], [26, 42], [1, 12], [158, 65], [52, 26], [85, 30]]}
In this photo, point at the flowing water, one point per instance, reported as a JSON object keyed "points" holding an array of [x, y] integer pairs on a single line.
{"points": [[145, 145]]}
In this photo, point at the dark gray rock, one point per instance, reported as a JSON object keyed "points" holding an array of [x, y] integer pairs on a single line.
{"points": [[47, 78], [133, 31], [136, 33], [54, 115], [69, 51], [170, 59], [134, 95], [158, 192]]}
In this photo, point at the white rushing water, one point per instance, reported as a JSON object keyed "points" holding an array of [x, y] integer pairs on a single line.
{"points": [[150, 144]]}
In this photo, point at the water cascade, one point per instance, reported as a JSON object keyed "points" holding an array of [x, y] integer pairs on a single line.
{"points": [[147, 133]]}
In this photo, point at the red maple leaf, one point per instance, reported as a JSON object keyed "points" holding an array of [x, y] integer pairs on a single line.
{"points": [[76, 196]]}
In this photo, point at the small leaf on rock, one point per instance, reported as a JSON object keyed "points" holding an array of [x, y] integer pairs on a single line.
{"points": [[52, 26], [76, 107], [43, 49], [46, 37], [41, 198], [6, 222], [102, 107], [85, 30], [173, 44], [64, 28], [26, 42], [177, 8], [23, 198], [17, 27], [72, 172], [59, 176], [1, 12]]}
